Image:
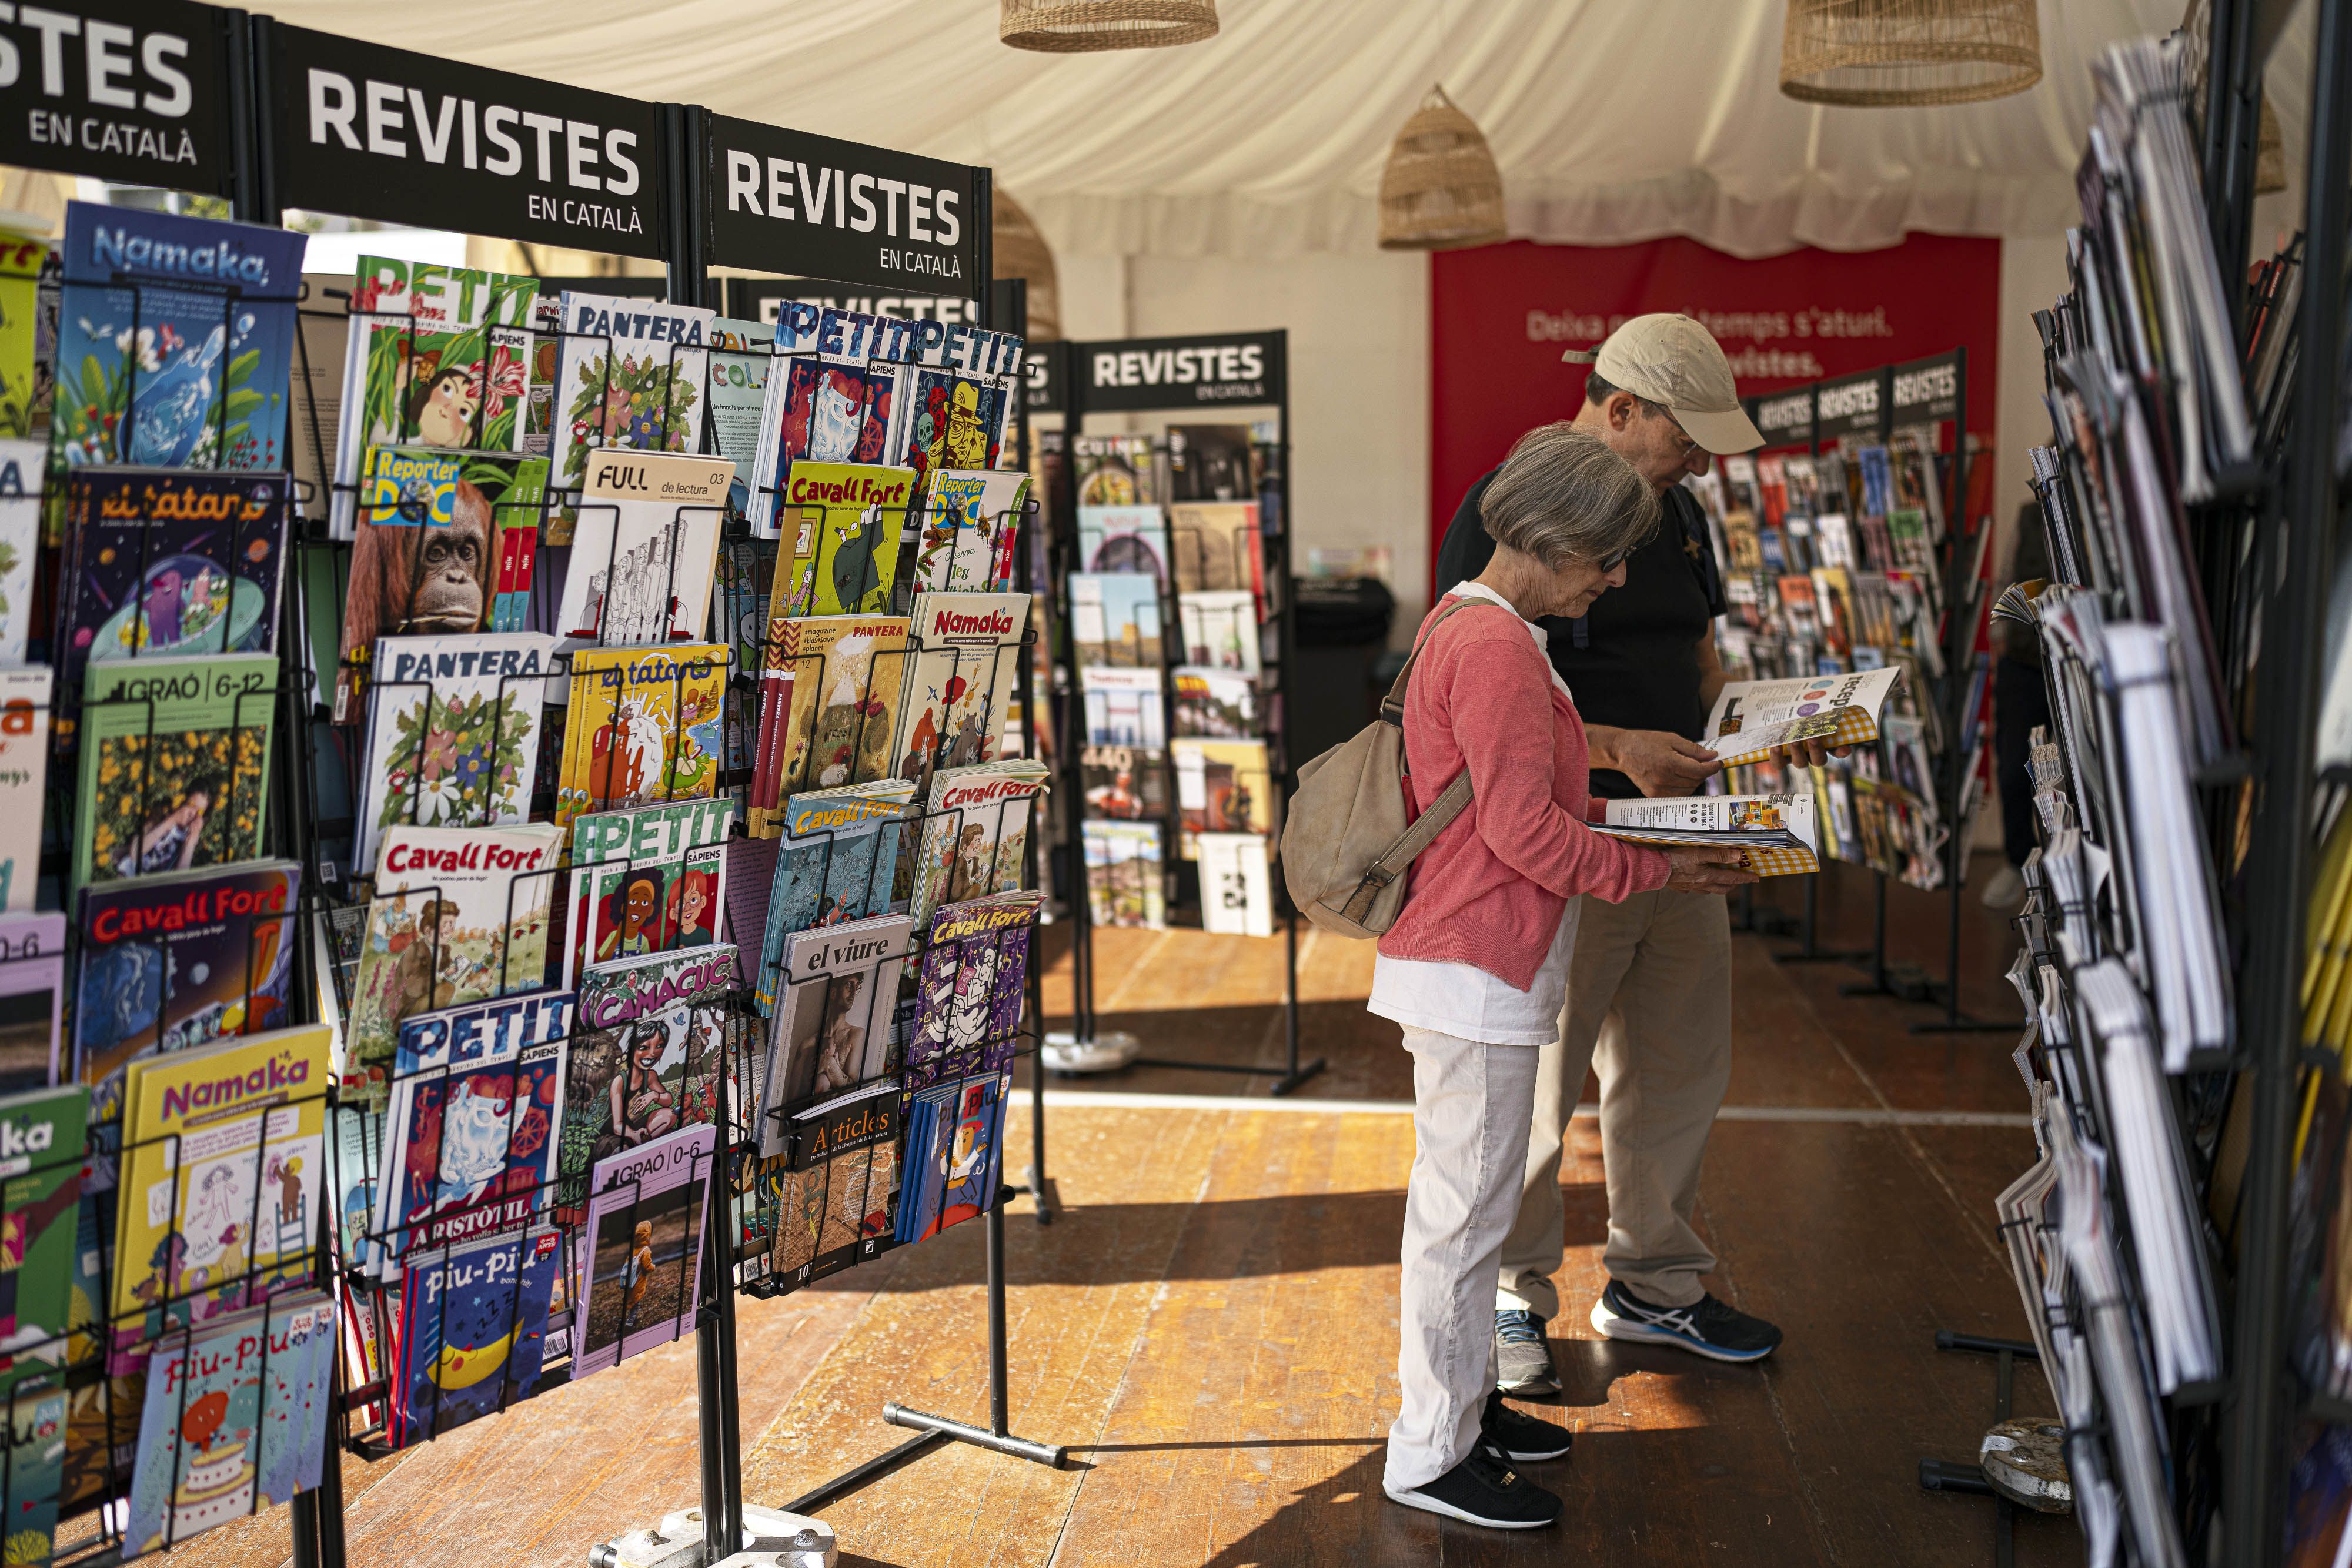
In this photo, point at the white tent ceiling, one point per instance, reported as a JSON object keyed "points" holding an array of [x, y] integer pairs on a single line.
{"points": [[1612, 120]]}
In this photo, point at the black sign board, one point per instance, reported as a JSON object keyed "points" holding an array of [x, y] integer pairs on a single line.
{"points": [[1927, 390], [131, 90], [382, 133], [1853, 408], [1232, 368], [1784, 418], [880, 220], [1041, 373]]}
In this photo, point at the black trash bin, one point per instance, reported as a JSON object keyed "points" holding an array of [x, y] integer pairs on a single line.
{"points": [[1343, 630]]}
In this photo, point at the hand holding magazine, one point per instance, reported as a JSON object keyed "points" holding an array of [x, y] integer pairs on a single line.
{"points": [[1754, 719], [1774, 833]]}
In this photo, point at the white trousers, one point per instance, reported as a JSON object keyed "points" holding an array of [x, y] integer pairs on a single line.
{"points": [[1472, 1105]]}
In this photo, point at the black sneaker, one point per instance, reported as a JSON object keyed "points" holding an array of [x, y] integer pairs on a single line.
{"points": [[1523, 1367], [1708, 1327], [1480, 1491], [1507, 1435]]}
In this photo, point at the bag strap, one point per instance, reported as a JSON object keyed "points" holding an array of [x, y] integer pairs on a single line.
{"points": [[1393, 705], [1398, 856]]}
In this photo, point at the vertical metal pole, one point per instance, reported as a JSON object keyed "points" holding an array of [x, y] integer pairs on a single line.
{"points": [[1285, 646], [2254, 1472], [1962, 642], [717, 1394], [2232, 113], [998, 1403], [1035, 720], [1073, 706]]}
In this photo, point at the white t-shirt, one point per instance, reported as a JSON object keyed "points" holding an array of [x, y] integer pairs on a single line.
{"points": [[1463, 999]]}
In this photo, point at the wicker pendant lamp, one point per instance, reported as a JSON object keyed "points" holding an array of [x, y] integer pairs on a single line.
{"points": [[1441, 190], [1889, 53], [1080, 26], [1021, 251]]}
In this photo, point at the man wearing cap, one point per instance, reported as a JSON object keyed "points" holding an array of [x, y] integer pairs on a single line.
{"points": [[1649, 998]]}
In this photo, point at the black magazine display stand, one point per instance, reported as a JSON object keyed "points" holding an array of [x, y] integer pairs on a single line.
{"points": [[610, 175], [1873, 408], [2140, 476], [194, 140], [1208, 375]]}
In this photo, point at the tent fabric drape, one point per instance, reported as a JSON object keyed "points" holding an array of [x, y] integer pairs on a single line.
{"points": [[1612, 122]]}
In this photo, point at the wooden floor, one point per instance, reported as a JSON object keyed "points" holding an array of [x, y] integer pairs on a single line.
{"points": [[1209, 1324]]}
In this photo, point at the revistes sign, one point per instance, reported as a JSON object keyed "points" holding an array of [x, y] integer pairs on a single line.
{"points": [[383, 133], [856, 215], [128, 90]]}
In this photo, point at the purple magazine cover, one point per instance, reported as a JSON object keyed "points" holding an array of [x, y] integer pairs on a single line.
{"points": [[965, 1009]]}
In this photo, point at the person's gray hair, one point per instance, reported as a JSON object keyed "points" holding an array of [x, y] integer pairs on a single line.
{"points": [[1563, 494]]}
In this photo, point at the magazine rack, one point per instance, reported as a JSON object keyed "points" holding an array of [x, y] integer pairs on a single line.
{"points": [[309, 796], [1219, 627], [1953, 698]]}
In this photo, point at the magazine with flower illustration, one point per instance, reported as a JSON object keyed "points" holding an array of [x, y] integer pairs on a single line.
{"points": [[438, 357], [174, 340], [452, 733], [629, 372]]}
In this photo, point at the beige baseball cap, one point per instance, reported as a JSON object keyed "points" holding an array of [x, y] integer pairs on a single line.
{"points": [[1672, 360]]}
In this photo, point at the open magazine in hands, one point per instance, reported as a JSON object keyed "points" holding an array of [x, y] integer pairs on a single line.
{"points": [[1774, 833], [1754, 719]]}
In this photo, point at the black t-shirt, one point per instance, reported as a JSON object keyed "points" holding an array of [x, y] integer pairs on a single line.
{"points": [[1632, 662]]}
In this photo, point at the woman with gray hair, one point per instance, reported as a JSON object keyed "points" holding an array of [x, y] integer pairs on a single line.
{"points": [[1475, 968]]}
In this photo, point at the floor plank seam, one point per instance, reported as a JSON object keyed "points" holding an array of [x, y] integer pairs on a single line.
{"points": [[1813, 1509], [1134, 1351], [1918, 1151]]}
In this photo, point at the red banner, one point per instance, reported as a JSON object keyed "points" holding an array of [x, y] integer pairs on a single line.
{"points": [[1500, 315]]}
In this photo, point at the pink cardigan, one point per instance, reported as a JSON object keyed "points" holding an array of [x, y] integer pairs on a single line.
{"points": [[1490, 890]]}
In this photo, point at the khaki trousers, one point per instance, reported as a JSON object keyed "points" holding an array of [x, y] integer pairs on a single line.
{"points": [[1649, 1007]]}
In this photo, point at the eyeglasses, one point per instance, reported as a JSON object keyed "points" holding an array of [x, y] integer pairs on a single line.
{"points": [[1613, 562], [1682, 436]]}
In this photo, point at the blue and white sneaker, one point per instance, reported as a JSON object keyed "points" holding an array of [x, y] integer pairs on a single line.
{"points": [[1707, 1327], [1523, 1366]]}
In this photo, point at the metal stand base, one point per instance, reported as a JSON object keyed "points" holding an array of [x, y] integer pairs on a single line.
{"points": [[1942, 1475], [1903, 982], [872, 1469], [1035, 1184], [1053, 1455], [785, 1538], [934, 1430], [1291, 1078]]}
